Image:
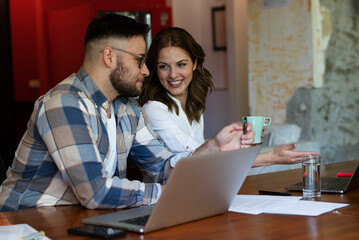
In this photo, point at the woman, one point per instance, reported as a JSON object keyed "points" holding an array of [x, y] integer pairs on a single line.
{"points": [[174, 96]]}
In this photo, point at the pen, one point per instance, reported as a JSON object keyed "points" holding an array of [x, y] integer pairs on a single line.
{"points": [[34, 236], [245, 125], [341, 174], [274, 193]]}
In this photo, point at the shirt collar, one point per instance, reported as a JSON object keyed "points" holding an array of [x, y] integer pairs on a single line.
{"points": [[92, 89], [174, 99]]}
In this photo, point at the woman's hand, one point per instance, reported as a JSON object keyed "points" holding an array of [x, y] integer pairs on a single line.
{"points": [[283, 154]]}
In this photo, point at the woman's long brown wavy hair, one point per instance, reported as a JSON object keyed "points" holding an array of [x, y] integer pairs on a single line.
{"points": [[201, 82]]}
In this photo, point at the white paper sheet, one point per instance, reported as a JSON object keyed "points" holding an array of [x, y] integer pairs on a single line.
{"points": [[14, 232], [256, 204], [308, 208]]}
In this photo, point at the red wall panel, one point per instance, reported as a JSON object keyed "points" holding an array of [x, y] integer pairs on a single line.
{"points": [[24, 47], [66, 33], [41, 48]]}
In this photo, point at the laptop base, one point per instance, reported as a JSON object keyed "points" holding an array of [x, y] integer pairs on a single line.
{"points": [[328, 185]]}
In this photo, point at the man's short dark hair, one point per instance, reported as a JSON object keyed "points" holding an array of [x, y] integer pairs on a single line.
{"points": [[114, 25]]}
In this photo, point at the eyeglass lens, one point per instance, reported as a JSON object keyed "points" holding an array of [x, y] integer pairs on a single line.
{"points": [[142, 61]]}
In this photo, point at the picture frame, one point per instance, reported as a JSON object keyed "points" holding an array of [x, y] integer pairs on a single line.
{"points": [[219, 38]]}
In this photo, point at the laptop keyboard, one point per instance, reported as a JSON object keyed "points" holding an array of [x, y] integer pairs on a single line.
{"points": [[337, 183], [328, 184], [141, 221]]}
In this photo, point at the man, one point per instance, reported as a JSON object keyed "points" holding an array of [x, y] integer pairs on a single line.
{"points": [[83, 130]]}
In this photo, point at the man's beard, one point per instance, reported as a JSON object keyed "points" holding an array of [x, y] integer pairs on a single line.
{"points": [[123, 82]]}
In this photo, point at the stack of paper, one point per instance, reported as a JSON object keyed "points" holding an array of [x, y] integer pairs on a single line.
{"points": [[256, 204]]}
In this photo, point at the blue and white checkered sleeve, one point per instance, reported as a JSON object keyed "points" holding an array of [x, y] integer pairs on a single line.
{"points": [[70, 130]]}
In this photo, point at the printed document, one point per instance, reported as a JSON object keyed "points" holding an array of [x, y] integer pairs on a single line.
{"points": [[291, 205]]}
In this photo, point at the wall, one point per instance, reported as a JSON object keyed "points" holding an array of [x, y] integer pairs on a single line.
{"points": [[336, 107], [280, 55], [37, 32], [303, 68], [24, 47]]}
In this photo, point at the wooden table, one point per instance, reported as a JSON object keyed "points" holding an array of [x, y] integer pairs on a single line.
{"points": [[342, 223]]}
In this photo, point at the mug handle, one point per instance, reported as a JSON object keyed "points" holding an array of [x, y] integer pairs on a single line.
{"points": [[267, 121]]}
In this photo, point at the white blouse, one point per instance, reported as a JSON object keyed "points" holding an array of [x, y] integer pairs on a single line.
{"points": [[175, 130]]}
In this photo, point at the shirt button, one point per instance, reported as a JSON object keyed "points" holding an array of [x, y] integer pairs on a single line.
{"points": [[187, 147]]}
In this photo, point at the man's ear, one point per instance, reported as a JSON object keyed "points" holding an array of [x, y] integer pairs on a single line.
{"points": [[108, 57]]}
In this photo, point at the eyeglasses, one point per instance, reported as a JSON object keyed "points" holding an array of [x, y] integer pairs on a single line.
{"points": [[140, 57]]}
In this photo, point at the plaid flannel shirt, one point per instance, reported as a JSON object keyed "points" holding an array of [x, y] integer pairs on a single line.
{"points": [[60, 158]]}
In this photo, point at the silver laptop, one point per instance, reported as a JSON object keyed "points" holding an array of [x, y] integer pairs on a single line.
{"points": [[332, 184], [199, 186]]}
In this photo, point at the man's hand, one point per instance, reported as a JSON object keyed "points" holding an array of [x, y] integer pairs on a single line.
{"points": [[230, 137], [248, 138]]}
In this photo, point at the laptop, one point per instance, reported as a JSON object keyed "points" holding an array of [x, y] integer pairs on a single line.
{"points": [[333, 185], [199, 186]]}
